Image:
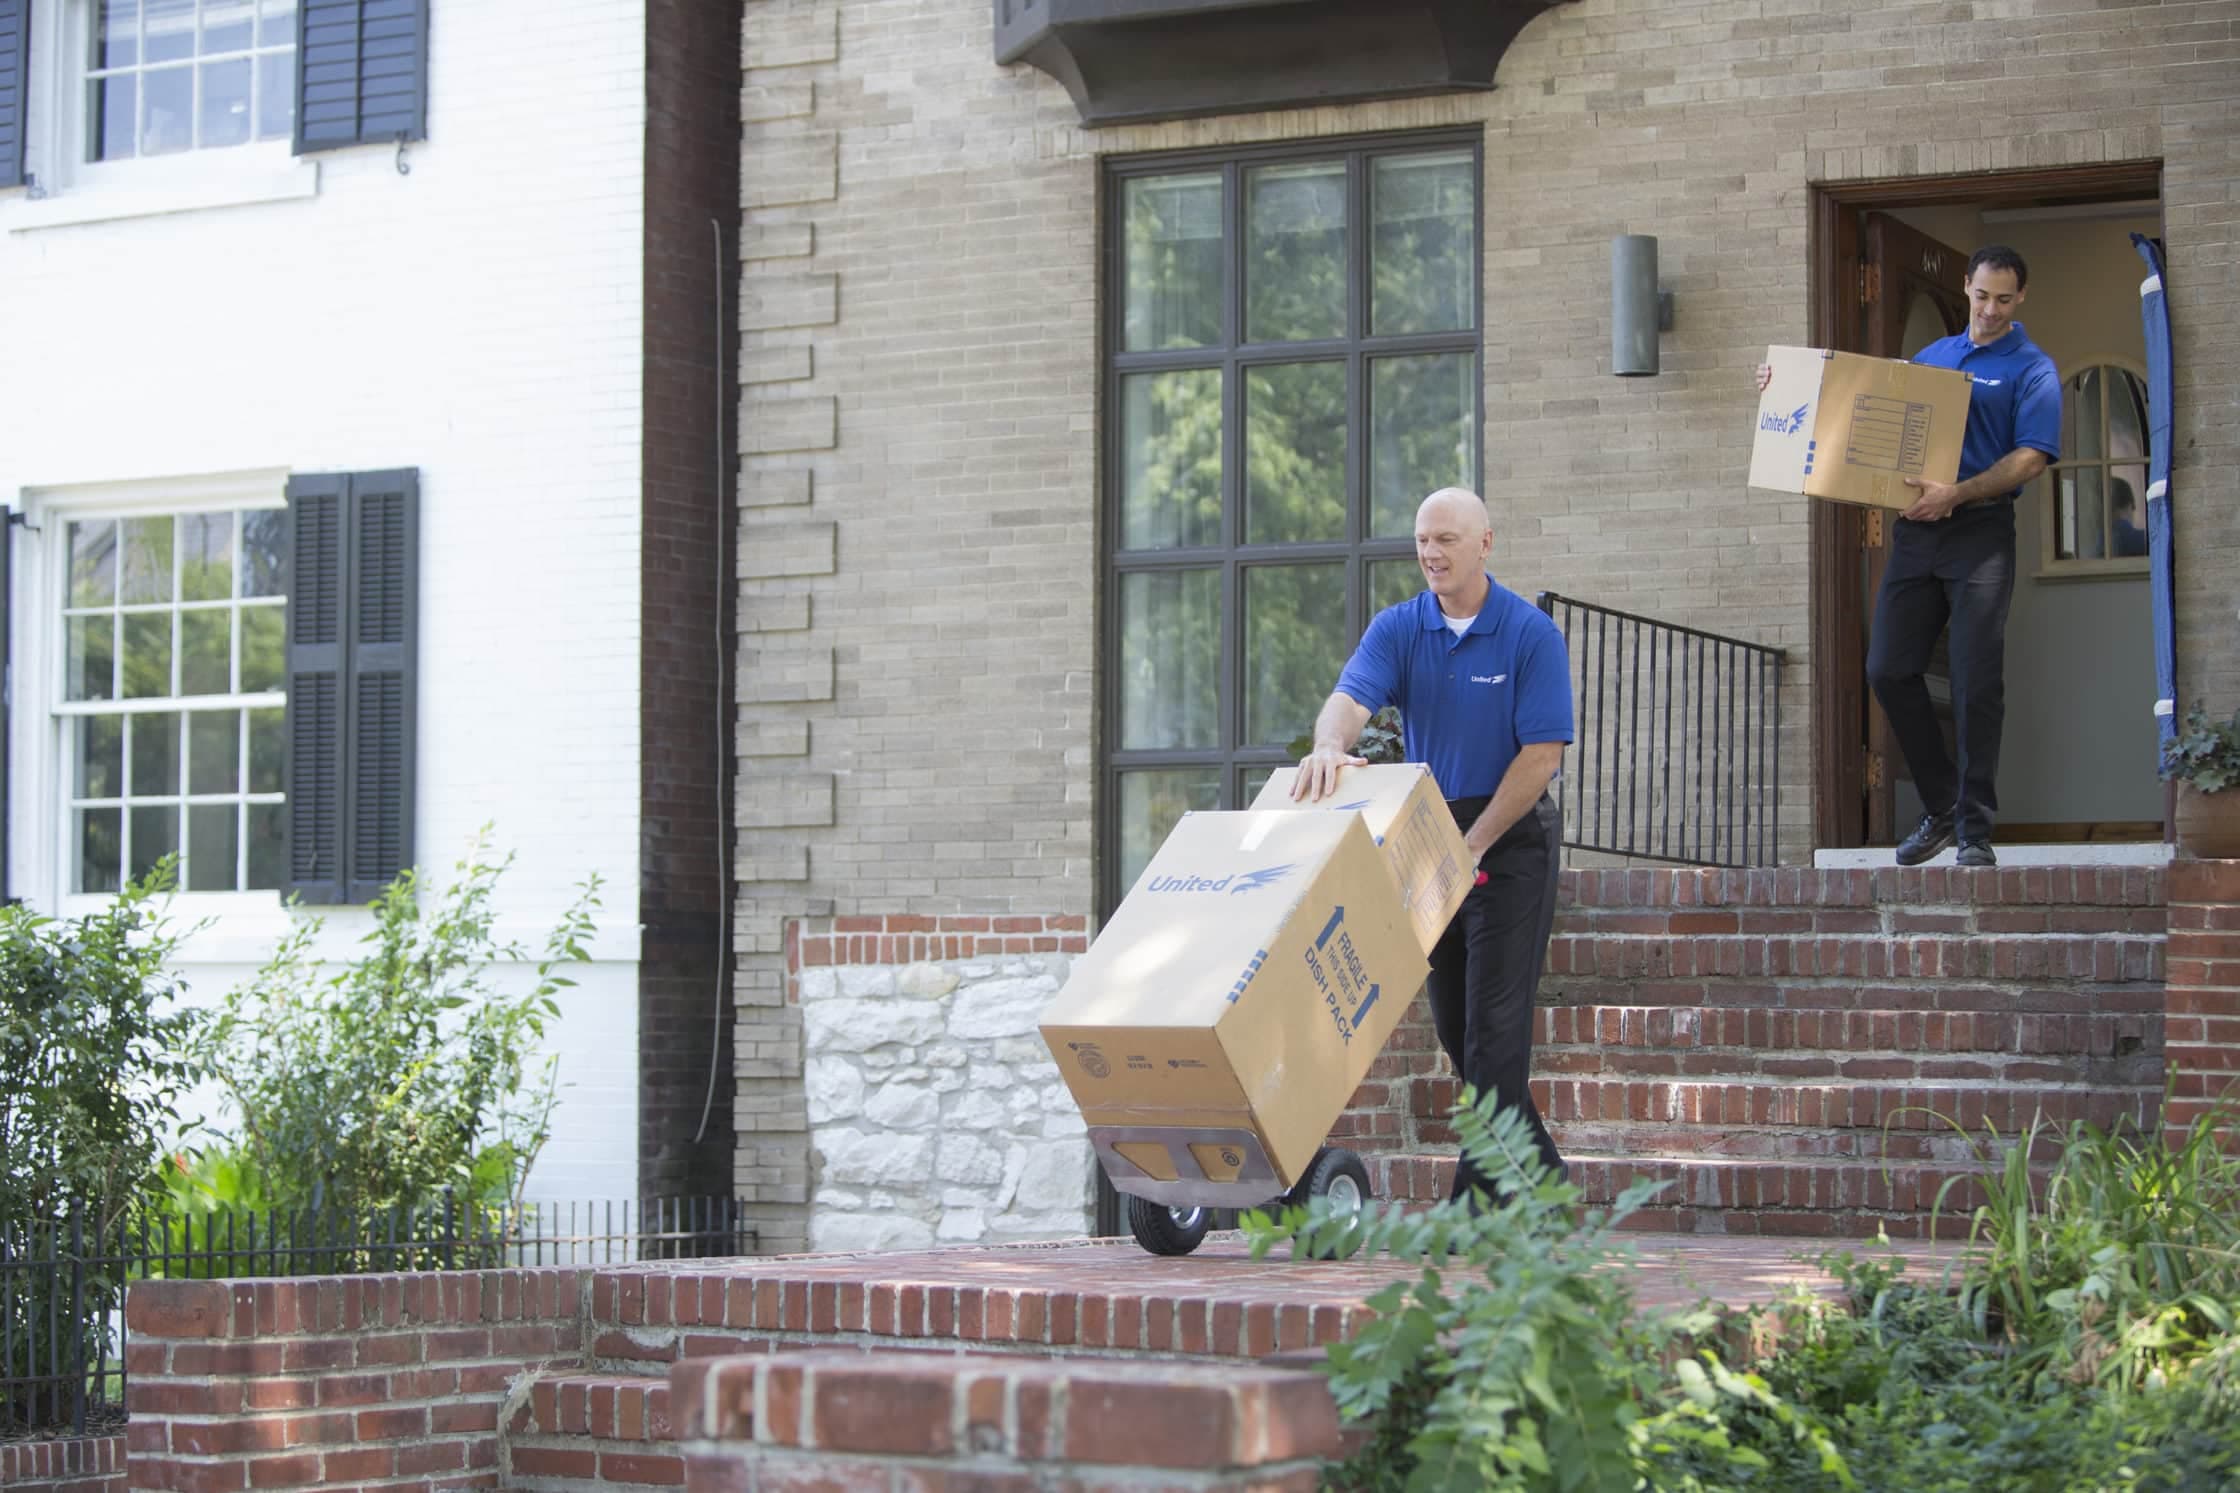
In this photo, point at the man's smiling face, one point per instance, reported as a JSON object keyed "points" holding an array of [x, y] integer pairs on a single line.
{"points": [[1994, 296], [1452, 543]]}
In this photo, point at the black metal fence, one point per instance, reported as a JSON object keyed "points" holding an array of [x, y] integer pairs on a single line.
{"points": [[62, 1283], [1678, 748]]}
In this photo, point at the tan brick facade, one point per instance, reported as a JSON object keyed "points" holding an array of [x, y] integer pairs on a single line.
{"points": [[918, 484]]}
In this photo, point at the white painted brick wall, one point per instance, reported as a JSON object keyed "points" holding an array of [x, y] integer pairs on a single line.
{"points": [[478, 319]]}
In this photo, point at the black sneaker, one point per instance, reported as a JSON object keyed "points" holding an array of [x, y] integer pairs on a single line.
{"points": [[1931, 835], [1977, 853]]}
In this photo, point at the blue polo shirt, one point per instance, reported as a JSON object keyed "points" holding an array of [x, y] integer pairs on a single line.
{"points": [[1466, 703], [2014, 401]]}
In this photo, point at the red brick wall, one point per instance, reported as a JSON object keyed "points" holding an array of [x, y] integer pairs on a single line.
{"points": [[337, 1382], [77, 1464], [905, 938], [903, 1420], [2201, 1024], [686, 595], [1693, 937]]}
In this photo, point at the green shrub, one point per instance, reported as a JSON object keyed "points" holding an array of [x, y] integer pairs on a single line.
{"points": [[90, 1057], [89, 1078], [401, 1077], [1516, 1358], [2084, 1343]]}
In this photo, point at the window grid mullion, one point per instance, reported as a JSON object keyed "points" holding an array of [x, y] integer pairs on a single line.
{"points": [[1230, 623], [1231, 757]]}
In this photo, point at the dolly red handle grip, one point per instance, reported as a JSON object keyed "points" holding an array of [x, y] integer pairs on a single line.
{"points": [[1482, 879]]}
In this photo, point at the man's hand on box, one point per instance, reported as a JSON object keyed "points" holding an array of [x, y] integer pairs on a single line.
{"points": [[1765, 376], [1936, 502], [1317, 777]]}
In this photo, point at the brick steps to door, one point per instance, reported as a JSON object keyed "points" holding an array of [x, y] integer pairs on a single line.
{"points": [[1671, 1113], [1812, 1051], [572, 1430], [1825, 1197]]}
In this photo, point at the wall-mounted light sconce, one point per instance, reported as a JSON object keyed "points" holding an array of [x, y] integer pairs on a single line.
{"points": [[1638, 310]]}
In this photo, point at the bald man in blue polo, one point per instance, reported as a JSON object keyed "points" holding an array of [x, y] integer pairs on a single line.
{"points": [[1484, 689]]}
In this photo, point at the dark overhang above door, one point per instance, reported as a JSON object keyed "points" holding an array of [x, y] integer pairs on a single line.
{"points": [[1134, 61]]}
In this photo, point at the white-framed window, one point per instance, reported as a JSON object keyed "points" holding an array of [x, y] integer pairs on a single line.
{"points": [[160, 630], [2093, 501], [165, 76], [158, 106]]}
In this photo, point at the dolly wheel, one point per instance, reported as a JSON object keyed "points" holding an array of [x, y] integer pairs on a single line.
{"points": [[1163, 1230], [1339, 1175]]}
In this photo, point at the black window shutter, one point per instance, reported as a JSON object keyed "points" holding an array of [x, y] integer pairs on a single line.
{"points": [[352, 629], [385, 516], [361, 72], [15, 87], [318, 512]]}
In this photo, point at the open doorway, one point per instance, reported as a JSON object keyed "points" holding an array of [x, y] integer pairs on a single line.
{"points": [[2079, 752]]}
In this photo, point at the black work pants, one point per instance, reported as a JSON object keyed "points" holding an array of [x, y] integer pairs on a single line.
{"points": [[1486, 969], [1958, 571]]}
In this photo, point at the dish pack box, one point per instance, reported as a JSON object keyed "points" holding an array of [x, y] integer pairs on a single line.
{"points": [[1408, 818], [1840, 426], [1226, 1013]]}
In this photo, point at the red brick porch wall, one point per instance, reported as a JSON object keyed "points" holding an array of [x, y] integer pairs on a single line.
{"points": [[78, 1464], [388, 1382], [933, 1422], [909, 938], [2201, 1024]]}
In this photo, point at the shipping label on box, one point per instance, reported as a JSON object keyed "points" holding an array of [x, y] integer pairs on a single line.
{"points": [[1836, 425], [1236, 998], [1408, 817]]}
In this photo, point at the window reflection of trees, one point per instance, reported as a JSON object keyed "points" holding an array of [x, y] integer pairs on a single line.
{"points": [[1333, 343], [187, 608]]}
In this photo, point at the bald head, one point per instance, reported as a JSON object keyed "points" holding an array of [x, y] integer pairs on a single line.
{"points": [[1454, 535], [1456, 508]]}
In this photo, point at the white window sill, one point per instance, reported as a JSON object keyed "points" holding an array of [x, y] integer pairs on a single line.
{"points": [[243, 928], [2125, 569], [193, 192]]}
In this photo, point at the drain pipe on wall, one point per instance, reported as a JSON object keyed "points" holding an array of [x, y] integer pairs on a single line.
{"points": [[723, 755]]}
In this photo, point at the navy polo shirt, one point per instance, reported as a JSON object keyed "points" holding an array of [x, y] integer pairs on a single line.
{"points": [[2014, 400], [1466, 703]]}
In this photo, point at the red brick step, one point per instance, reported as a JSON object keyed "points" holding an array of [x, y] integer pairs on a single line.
{"points": [[1818, 1198], [573, 1430]]}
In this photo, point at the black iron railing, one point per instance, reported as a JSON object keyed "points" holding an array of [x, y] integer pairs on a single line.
{"points": [[1678, 749], [62, 1283]]}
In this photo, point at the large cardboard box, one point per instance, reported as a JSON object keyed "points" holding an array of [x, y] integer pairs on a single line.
{"points": [[1836, 425], [1224, 1016], [1408, 818]]}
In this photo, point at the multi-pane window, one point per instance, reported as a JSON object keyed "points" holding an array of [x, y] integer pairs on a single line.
{"points": [[170, 75], [2098, 490], [174, 698], [1293, 365]]}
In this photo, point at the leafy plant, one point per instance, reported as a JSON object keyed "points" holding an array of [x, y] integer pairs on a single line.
{"points": [[405, 1074], [2084, 1342], [2118, 1268], [90, 1067], [1515, 1358], [89, 1079], [1380, 741], [2204, 753]]}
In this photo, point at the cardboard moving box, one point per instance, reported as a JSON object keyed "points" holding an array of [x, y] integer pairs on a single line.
{"points": [[1407, 815], [1225, 1015], [1836, 425]]}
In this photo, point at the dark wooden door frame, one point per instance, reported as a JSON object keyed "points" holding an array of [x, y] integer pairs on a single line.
{"points": [[1900, 262], [1838, 531]]}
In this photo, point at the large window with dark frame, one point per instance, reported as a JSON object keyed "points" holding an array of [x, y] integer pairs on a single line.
{"points": [[1293, 361]]}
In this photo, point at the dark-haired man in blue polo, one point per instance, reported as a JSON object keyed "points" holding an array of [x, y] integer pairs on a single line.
{"points": [[1952, 561], [1484, 689]]}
